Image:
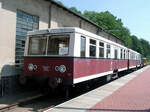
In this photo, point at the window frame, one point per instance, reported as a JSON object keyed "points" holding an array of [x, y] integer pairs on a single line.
{"points": [[93, 45], [103, 47], [67, 35], [115, 49], [84, 46], [36, 36], [124, 53], [121, 53], [108, 48]]}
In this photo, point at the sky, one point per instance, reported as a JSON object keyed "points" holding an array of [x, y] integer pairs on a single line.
{"points": [[135, 14]]}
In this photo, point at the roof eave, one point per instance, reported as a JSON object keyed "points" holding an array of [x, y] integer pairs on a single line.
{"points": [[65, 8]]}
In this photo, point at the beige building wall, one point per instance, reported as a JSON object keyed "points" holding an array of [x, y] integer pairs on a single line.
{"points": [[62, 18], [89, 27], [40, 8], [8, 9]]}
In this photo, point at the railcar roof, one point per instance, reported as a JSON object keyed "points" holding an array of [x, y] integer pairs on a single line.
{"points": [[71, 30], [62, 30], [52, 31]]}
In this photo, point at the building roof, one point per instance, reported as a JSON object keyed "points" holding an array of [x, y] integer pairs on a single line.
{"points": [[65, 8]]}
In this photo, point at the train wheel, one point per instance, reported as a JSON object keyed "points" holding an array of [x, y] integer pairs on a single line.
{"points": [[52, 83]]}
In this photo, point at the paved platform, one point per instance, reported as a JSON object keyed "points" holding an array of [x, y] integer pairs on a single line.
{"points": [[130, 93]]}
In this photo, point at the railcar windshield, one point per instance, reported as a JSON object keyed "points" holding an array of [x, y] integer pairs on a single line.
{"points": [[37, 46], [50, 45], [58, 45]]}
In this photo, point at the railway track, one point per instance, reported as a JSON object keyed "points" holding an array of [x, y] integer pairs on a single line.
{"points": [[42, 110], [38, 103], [20, 102]]}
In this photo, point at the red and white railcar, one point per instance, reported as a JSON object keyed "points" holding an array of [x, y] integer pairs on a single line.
{"points": [[71, 55]]}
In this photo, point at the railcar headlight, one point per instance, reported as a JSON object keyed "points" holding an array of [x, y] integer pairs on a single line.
{"points": [[32, 67], [61, 68]]}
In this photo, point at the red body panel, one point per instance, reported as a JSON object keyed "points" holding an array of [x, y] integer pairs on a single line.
{"points": [[75, 67], [134, 63], [46, 66], [85, 67]]}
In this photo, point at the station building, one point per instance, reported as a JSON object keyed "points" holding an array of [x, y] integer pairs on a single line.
{"points": [[17, 17]]}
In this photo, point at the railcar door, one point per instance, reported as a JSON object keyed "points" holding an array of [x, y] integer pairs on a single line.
{"points": [[128, 59], [116, 61]]}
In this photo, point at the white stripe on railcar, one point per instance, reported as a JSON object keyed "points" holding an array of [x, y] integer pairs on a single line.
{"points": [[78, 80]]}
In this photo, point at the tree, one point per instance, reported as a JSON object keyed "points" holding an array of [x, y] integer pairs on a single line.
{"points": [[74, 9], [145, 47], [136, 44], [109, 22], [59, 2]]}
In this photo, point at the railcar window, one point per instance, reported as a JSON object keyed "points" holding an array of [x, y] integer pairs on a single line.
{"points": [[124, 54], [121, 56], [82, 46], [116, 54], [108, 51], [92, 47], [132, 56], [101, 49], [58, 45], [37, 46]]}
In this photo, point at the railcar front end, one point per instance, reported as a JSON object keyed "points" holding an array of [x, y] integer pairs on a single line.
{"points": [[48, 58]]}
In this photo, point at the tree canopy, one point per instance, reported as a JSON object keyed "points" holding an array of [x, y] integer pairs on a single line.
{"points": [[108, 21]]}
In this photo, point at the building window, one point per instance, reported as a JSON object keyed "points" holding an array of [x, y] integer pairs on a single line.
{"points": [[101, 49], [25, 23], [108, 53], [82, 46], [92, 48]]}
